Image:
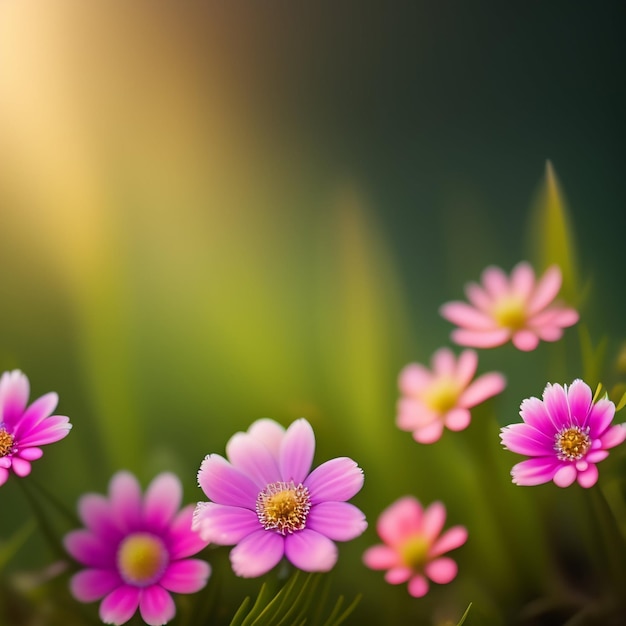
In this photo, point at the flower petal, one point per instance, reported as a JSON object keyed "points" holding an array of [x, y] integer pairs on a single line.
{"points": [[339, 521], [222, 524], [310, 551], [187, 576], [252, 457], [120, 605], [442, 570], [483, 387], [162, 501], [546, 290], [565, 475], [14, 392], [268, 432], [20, 466], [156, 606], [600, 416], [52, 429], [533, 411], [450, 540], [522, 280], [457, 419], [535, 471], [95, 511], [466, 316], [380, 557], [125, 498], [257, 554], [30, 454], [296, 451], [430, 433], [525, 340], [225, 484], [466, 367], [89, 549], [524, 439], [480, 338], [589, 477], [418, 586], [92, 584], [579, 398], [182, 540], [413, 378], [613, 436], [433, 521], [338, 479], [39, 410], [398, 575], [400, 521], [478, 297], [443, 363], [555, 399], [495, 281]]}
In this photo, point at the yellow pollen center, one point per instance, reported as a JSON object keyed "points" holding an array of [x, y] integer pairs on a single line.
{"points": [[572, 443], [7, 441], [141, 559], [442, 396], [510, 313], [414, 552], [283, 507]]}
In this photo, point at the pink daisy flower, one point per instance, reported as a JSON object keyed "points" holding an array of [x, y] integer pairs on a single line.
{"points": [[135, 550], [520, 309], [432, 399], [566, 434], [413, 545], [267, 502], [24, 428]]}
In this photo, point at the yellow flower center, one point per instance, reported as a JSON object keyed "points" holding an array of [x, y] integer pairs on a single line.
{"points": [[7, 441], [414, 552], [442, 396], [572, 443], [510, 313], [283, 507], [141, 559]]}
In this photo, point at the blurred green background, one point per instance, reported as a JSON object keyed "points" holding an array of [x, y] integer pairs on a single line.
{"points": [[214, 212]]}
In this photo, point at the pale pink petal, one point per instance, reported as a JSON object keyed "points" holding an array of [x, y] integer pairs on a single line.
{"points": [[398, 575], [480, 338], [89, 549], [30, 454], [187, 576], [495, 281], [21, 467], [600, 417], [522, 280], [546, 290], [466, 316], [120, 605], [400, 521], [457, 419], [441, 570], [156, 606], [296, 451], [555, 399], [429, 433], [339, 521], [92, 584], [549, 333], [252, 457], [613, 436], [39, 410], [483, 387], [310, 551], [338, 479], [224, 525], [413, 379], [4, 475], [162, 501], [52, 429], [14, 392], [589, 477], [225, 484], [443, 363], [478, 297], [555, 316], [125, 497], [414, 414], [466, 367], [595, 456], [418, 586], [579, 398], [433, 521], [182, 541], [534, 471], [257, 554], [380, 557], [565, 475], [450, 540], [525, 340], [268, 432]]}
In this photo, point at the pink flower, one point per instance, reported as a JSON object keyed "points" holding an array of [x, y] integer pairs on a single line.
{"points": [[267, 502], [413, 545], [566, 434], [520, 309], [135, 549], [443, 396], [23, 429]]}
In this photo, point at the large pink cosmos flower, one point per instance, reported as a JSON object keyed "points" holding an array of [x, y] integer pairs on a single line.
{"points": [[443, 396], [413, 545], [566, 434], [266, 502], [23, 429], [135, 549], [520, 309]]}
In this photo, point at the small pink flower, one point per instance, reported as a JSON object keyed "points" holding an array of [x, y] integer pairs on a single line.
{"points": [[413, 545], [520, 309], [135, 549], [267, 502], [443, 396], [566, 434], [24, 428]]}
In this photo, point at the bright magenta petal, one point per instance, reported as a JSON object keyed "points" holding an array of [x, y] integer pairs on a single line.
{"points": [[156, 606], [92, 584], [120, 605], [187, 576], [162, 500]]}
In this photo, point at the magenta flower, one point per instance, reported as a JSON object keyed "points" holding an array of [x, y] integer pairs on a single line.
{"points": [[23, 429], [267, 502], [566, 434], [520, 309], [135, 550], [413, 545], [443, 396]]}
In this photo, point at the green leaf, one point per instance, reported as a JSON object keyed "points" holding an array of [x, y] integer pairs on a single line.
{"points": [[464, 616], [622, 403]]}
